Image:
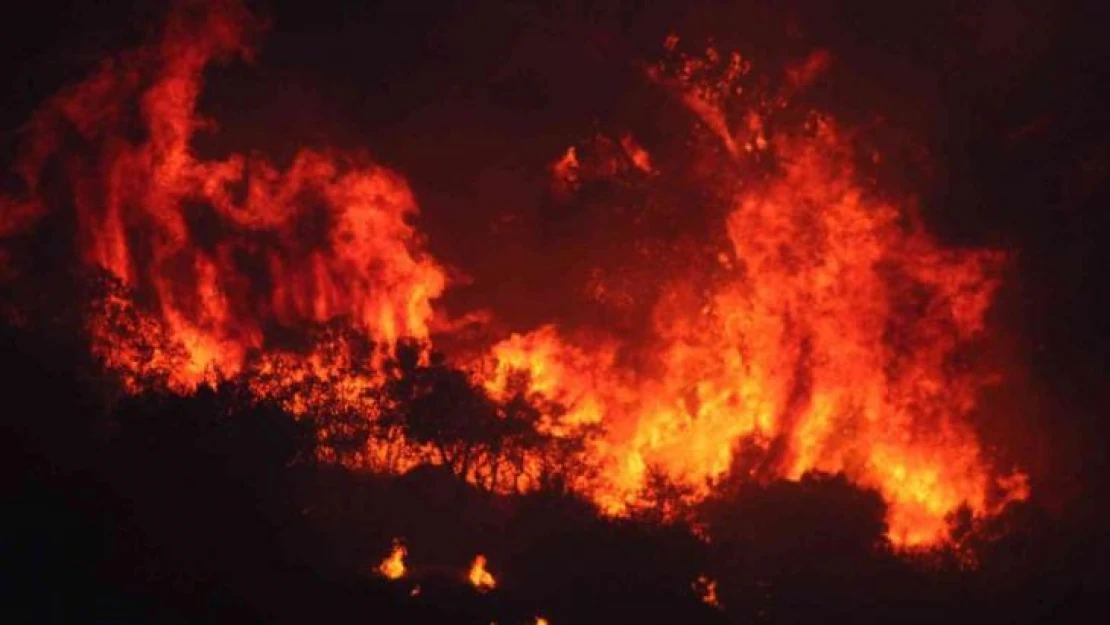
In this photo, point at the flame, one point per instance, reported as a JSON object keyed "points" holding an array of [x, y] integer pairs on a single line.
{"points": [[826, 338], [542, 621], [393, 566], [565, 173], [639, 157], [599, 158], [479, 577], [221, 252], [806, 342]]}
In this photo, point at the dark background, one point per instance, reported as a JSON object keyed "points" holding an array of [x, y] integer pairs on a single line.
{"points": [[471, 100]]}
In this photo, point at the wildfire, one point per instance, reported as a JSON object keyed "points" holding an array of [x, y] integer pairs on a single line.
{"points": [[479, 577], [825, 338], [393, 566], [221, 251]]}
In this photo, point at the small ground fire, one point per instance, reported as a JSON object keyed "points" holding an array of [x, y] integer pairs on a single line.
{"points": [[479, 577], [393, 566]]}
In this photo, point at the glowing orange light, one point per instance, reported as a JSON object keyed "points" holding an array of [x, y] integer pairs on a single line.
{"points": [[393, 566], [479, 577]]}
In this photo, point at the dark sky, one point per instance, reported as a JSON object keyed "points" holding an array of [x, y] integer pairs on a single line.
{"points": [[470, 100]]}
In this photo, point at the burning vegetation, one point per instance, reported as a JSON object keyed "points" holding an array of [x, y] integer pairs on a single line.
{"points": [[819, 330], [826, 339]]}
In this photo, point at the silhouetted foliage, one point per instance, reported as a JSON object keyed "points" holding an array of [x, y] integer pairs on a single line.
{"points": [[211, 508], [489, 441]]}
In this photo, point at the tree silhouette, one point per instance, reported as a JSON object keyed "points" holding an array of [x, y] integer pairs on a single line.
{"points": [[441, 408], [505, 443]]}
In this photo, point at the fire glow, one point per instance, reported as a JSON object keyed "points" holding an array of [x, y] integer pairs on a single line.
{"points": [[393, 566], [824, 341], [479, 577]]}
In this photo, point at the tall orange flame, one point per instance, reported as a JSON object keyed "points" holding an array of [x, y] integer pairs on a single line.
{"points": [[827, 339], [223, 251]]}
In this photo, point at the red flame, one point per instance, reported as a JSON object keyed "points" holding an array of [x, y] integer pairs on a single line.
{"points": [[826, 336], [829, 335], [828, 340], [222, 251]]}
